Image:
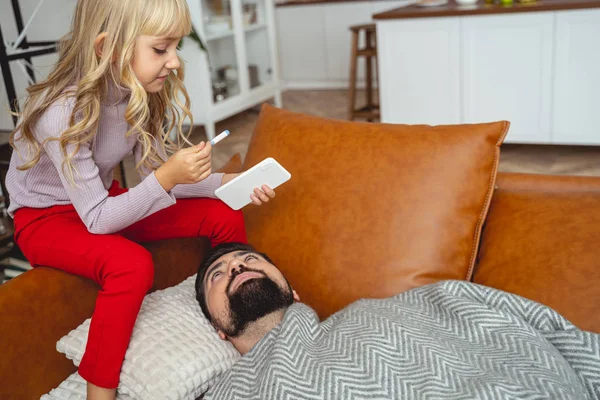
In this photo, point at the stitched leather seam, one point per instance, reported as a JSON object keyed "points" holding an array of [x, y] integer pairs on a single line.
{"points": [[488, 201]]}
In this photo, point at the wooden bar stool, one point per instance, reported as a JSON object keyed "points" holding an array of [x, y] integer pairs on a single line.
{"points": [[371, 110]]}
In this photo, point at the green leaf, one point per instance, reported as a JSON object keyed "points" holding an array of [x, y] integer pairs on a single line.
{"points": [[196, 38]]}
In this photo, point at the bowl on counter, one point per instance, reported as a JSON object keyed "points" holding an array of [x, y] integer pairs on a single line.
{"points": [[466, 2]]}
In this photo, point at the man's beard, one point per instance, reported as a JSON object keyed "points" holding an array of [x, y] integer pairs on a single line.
{"points": [[254, 299]]}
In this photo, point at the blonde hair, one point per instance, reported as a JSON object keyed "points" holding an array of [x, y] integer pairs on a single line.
{"points": [[151, 115]]}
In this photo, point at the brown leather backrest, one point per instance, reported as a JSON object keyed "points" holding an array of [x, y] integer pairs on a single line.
{"points": [[372, 209], [541, 240]]}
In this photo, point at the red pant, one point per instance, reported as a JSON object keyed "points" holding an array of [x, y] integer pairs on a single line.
{"points": [[56, 237]]}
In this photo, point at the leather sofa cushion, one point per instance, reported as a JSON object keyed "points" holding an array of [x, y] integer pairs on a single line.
{"points": [[542, 241], [371, 210]]}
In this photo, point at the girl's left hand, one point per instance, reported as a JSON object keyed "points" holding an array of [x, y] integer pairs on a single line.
{"points": [[262, 195]]}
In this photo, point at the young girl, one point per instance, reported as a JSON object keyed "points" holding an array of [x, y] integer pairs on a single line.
{"points": [[116, 88]]}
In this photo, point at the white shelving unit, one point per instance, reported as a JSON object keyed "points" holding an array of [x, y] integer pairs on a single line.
{"points": [[240, 69]]}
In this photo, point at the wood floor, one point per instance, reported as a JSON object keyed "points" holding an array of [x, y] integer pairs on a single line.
{"points": [[560, 160]]}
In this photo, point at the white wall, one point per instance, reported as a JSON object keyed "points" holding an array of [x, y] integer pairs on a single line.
{"points": [[314, 41], [52, 21]]}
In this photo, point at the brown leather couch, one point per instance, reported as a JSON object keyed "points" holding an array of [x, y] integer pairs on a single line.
{"points": [[540, 239]]}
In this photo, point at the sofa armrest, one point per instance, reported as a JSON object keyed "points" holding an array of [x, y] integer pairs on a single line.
{"points": [[39, 307], [540, 241]]}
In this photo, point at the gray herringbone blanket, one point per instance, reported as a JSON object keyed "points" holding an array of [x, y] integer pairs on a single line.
{"points": [[450, 340]]}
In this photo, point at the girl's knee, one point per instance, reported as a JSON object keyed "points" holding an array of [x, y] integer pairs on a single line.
{"points": [[135, 269], [144, 270], [233, 218], [228, 226]]}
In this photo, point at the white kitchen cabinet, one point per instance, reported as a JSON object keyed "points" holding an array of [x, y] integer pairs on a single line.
{"points": [[538, 70], [576, 105], [506, 72], [419, 66]]}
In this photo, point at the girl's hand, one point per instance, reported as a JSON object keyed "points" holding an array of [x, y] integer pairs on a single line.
{"points": [[259, 196], [262, 196], [187, 166]]}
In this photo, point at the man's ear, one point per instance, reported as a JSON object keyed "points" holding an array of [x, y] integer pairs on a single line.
{"points": [[296, 297], [222, 335], [99, 44]]}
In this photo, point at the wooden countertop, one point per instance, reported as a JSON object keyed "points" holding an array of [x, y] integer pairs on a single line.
{"points": [[481, 8], [284, 3]]}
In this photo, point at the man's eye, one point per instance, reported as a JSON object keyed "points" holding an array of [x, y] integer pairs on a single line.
{"points": [[250, 257], [159, 51], [212, 278]]}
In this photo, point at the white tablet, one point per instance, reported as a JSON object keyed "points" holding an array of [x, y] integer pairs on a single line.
{"points": [[236, 193]]}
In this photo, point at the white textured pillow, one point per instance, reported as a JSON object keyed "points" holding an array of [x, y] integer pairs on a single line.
{"points": [[74, 388], [174, 352]]}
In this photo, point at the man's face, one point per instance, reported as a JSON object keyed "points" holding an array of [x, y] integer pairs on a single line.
{"points": [[241, 287]]}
